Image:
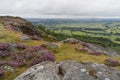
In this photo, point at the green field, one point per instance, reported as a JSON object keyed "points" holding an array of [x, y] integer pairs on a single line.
{"points": [[106, 30]]}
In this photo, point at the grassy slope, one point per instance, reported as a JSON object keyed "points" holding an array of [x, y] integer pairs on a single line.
{"points": [[64, 52], [68, 52], [14, 37]]}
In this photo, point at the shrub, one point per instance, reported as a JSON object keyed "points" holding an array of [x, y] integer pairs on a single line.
{"points": [[14, 28], [49, 56], [1, 73], [15, 56], [3, 63], [117, 39], [4, 53], [28, 55], [32, 55], [13, 63], [21, 63], [112, 63], [40, 57], [21, 46], [17, 63], [4, 46], [36, 60]]}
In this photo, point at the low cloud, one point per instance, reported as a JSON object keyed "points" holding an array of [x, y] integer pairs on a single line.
{"points": [[60, 8]]}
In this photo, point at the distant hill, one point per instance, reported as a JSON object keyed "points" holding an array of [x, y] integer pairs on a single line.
{"points": [[51, 21]]}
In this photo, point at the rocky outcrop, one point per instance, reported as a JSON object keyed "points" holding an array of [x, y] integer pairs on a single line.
{"points": [[69, 70], [91, 48], [103, 50]]}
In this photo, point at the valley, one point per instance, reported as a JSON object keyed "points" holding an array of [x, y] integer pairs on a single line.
{"points": [[88, 30]]}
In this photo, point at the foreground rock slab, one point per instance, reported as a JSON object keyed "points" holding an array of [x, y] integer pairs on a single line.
{"points": [[69, 70]]}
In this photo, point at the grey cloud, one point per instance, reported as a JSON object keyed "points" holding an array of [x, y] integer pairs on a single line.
{"points": [[59, 8]]}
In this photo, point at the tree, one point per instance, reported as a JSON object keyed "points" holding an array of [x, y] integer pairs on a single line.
{"points": [[41, 27]]}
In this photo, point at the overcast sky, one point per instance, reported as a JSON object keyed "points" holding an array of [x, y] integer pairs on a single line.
{"points": [[60, 8]]}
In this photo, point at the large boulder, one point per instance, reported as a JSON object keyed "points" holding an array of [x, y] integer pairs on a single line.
{"points": [[69, 70]]}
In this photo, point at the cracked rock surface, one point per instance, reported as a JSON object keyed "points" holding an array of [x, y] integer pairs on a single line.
{"points": [[69, 70]]}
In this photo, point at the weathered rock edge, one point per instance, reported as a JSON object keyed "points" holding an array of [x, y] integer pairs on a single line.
{"points": [[69, 70]]}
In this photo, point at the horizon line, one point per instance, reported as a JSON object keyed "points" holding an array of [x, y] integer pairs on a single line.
{"points": [[69, 17]]}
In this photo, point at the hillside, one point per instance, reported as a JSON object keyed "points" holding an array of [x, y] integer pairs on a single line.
{"points": [[19, 25], [103, 32], [23, 45]]}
